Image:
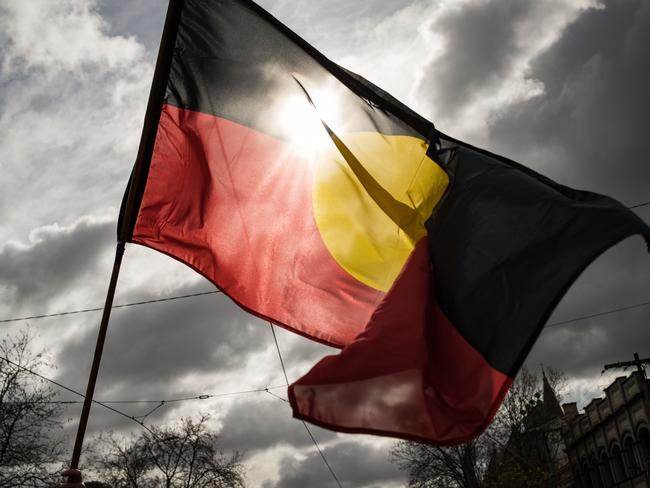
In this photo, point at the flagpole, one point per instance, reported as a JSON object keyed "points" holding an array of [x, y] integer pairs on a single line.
{"points": [[99, 347], [135, 189], [130, 208]]}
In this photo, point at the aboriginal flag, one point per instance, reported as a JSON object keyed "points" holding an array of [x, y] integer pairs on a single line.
{"points": [[319, 202]]}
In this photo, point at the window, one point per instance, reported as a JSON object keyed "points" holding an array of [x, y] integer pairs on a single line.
{"points": [[618, 469], [605, 470], [594, 473], [631, 465], [644, 447]]}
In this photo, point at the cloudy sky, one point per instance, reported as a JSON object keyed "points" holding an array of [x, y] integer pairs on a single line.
{"points": [[559, 85]]}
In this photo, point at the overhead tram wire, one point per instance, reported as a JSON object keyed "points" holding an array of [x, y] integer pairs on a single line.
{"points": [[599, 314], [123, 305], [67, 388], [313, 439], [139, 419], [639, 205], [552, 324], [134, 418], [165, 401], [214, 292]]}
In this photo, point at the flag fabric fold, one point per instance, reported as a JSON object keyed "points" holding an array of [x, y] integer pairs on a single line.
{"points": [[319, 202], [441, 350]]}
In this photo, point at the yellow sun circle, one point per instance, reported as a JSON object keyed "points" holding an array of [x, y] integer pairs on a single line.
{"points": [[363, 235]]}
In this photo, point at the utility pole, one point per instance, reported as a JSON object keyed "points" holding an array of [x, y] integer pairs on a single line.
{"points": [[638, 362]]}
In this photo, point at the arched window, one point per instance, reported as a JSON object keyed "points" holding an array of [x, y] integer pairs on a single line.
{"points": [[605, 470], [618, 469], [577, 476], [644, 447], [594, 473], [584, 474], [631, 464]]}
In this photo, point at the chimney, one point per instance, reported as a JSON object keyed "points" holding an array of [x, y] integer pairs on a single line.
{"points": [[570, 409]]}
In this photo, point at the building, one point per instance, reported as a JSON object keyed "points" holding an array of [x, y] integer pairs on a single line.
{"points": [[609, 444], [535, 456]]}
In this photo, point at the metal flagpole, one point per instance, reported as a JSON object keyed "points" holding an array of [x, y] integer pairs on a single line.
{"points": [[129, 211]]}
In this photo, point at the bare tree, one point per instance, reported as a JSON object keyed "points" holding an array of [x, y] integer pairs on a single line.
{"points": [[468, 465], [442, 467], [123, 462], [28, 419], [181, 456]]}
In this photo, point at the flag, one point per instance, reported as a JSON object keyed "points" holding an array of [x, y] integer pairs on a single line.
{"points": [[319, 202]]}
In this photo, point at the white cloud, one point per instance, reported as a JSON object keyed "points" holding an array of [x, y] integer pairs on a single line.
{"points": [[71, 106], [481, 61], [62, 35]]}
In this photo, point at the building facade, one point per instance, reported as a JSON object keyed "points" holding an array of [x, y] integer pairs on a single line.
{"points": [[609, 444]]}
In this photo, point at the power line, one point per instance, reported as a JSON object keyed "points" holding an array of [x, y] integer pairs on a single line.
{"points": [[160, 403], [97, 309], [639, 205], [553, 324], [277, 396], [277, 347], [142, 417], [139, 419], [191, 295], [170, 400], [313, 439], [599, 314], [130, 417]]}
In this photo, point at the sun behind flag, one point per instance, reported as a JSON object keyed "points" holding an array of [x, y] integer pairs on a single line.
{"points": [[317, 201]]}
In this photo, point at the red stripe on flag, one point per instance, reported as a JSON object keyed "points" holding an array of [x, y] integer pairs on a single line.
{"points": [[236, 205], [409, 374]]}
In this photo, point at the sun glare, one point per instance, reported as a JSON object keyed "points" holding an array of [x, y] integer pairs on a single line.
{"points": [[302, 121]]}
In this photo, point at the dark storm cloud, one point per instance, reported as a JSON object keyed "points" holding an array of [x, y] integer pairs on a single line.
{"points": [[261, 423], [589, 130], [594, 343], [354, 464], [480, 42], [151, 348], [148, 347], [594, 111], [55, 260], [619, 278]]}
